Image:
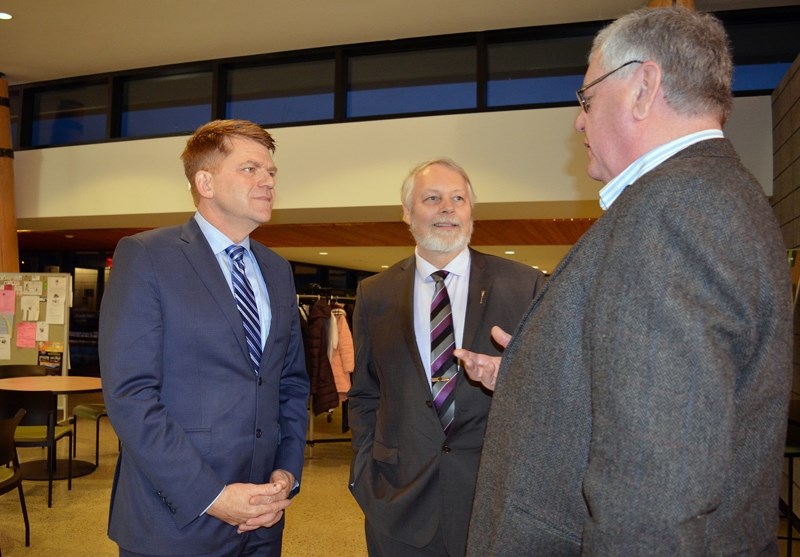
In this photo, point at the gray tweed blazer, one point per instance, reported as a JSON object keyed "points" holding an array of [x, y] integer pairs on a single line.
{"points": [[641, 406]]}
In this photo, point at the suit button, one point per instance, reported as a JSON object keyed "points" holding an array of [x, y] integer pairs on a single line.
{"points": [[445, 449], [260, 381], [429, 403], [258, 434]]}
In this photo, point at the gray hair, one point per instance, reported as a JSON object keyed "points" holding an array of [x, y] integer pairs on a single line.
{"points": [[691, 48], [408, 184]]}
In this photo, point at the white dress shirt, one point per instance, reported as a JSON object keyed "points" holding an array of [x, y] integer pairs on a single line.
{"points": [[457, 283]]}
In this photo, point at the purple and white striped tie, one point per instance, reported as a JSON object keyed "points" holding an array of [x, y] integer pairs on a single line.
{"points": [[246, 302], [443, 343]]}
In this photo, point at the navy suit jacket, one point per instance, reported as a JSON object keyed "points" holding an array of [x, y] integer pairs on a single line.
{"points": [[641, 406], [182, 396], [411, 480]]}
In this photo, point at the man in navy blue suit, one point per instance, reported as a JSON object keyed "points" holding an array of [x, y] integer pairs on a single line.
{"points": [[212, 435]]}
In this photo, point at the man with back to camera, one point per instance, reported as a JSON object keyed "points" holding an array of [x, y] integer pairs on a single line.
{"points": [[417, 421], [641, 406], [202, 365]]}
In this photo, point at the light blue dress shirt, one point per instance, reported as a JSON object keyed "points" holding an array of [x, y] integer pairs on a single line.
{"points": [[218, 242], [648, 162]]}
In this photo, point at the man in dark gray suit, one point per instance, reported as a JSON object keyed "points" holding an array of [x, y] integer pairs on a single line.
{"points": [[210, 407], [415, 455], [641, 406]]}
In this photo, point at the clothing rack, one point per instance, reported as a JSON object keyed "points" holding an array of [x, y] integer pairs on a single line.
{"points": [[332, 296], [311, 441]]}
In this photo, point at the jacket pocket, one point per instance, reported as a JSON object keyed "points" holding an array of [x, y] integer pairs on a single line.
{"points": [[382, 453]]}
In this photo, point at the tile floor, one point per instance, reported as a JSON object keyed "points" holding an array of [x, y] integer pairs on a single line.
{"points": [[323, 520]]}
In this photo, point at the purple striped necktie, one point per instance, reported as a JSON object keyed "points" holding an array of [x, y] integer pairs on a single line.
{"points": [[246, 302], [443, 343]]}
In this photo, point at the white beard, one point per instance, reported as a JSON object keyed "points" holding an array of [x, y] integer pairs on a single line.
{"points": [[441, 241]]}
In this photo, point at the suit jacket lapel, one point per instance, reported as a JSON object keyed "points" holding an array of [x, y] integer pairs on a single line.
{"points": [[405, 295], [200, 256], [480, 283], [272, 291]]}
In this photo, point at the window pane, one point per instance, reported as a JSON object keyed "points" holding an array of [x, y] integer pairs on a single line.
{"points": [[536, 72], [69, 115], [766, 41], [758, 77], [13, 96], [165, 105], [407, 82], [284, 93]]}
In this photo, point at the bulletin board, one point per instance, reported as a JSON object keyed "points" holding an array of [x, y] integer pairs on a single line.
{"points": [[34, 320]]}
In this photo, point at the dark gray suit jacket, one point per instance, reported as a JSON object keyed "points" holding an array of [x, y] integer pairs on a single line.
{"points": [[408, 478], [181, 392], [642, 404]]}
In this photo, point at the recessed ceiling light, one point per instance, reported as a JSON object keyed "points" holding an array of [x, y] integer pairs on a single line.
{"points": [[323, 253], [509, 252], [70, 236], [535, 266], [384, 266], [4, 15]]}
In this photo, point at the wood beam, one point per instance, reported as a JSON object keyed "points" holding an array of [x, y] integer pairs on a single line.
{"points": [[670, 3], [9, 250]]}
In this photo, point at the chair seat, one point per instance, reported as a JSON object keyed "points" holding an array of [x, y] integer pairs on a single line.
{"points": [[38, 433], [8, 475], [90, 411], [10, 471]]}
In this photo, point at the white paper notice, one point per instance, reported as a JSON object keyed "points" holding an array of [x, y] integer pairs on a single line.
{"points": [[5, 347], [56, 300], [42, 331], [29, 308], [32, 287]]}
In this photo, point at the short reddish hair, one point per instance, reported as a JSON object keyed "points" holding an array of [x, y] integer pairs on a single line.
{"points": [[210, 143]]}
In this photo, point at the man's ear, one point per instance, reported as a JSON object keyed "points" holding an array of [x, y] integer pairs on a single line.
{"points": [[648, 82], [406, 216], [203, 183]]}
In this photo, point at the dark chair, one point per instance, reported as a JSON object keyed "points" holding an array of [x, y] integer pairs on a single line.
{"points": [[92, 411], [39, 429], [21, 370], [10, 471], [787, 507]]}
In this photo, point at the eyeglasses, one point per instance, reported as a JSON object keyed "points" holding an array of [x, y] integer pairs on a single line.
{"points": [[580, 92]]}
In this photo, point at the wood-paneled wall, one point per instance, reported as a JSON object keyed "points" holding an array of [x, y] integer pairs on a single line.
{"points": [[786, 185]]}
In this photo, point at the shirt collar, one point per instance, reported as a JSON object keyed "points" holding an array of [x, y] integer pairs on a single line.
{"points": [[648, 162], [458, 266], [216, 239]]}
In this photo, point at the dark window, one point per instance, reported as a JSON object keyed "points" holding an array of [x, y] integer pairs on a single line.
{"points": [[14, 98], [68, 115], [763, 51], [411, 82], [296, 92], [165, 105], [537, 71], [758, 77], [756, 42]]}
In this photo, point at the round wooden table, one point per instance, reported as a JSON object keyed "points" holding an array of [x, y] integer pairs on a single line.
{"points": [[56, 385]]}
